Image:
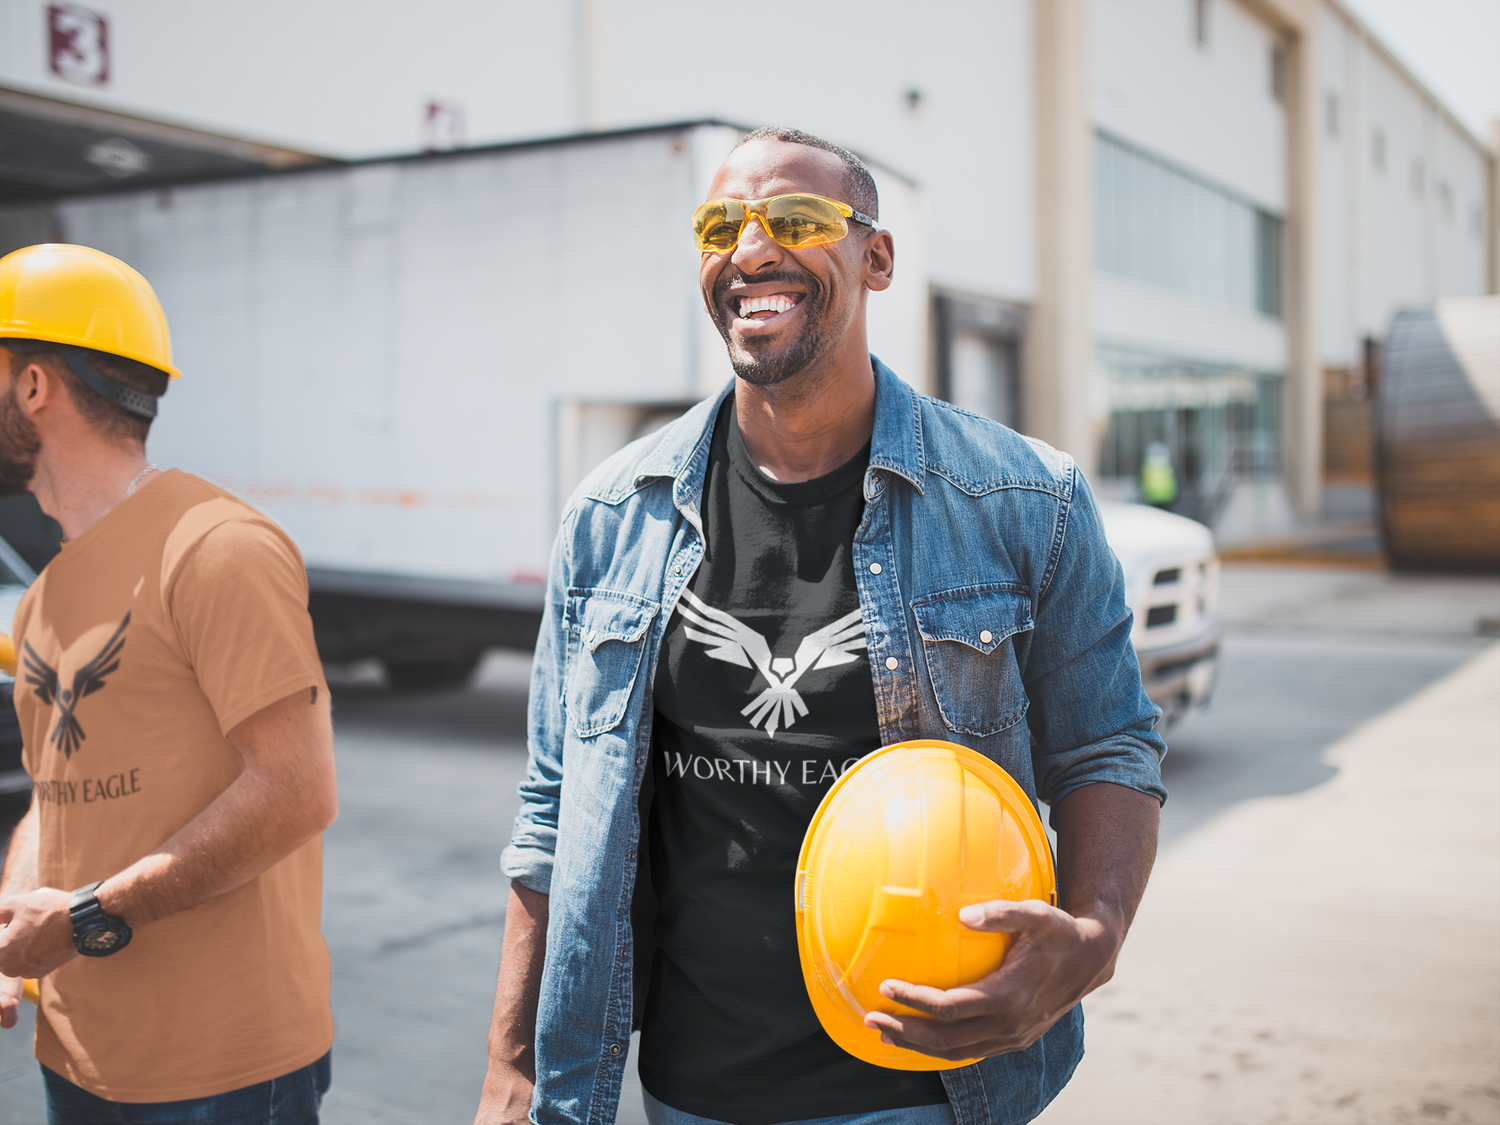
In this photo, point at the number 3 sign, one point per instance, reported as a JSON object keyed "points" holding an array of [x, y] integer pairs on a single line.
{"points": [[78, 44]]}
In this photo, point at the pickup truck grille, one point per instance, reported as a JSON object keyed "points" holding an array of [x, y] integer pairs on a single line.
{"points": [[1159, 615], [1173, 598]]}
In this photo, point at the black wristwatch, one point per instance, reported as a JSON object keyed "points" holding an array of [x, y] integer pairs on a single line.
{"points": [[95, 933]]}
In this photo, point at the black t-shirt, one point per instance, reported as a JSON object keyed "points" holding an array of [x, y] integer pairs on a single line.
{"points": [[763, 697]]}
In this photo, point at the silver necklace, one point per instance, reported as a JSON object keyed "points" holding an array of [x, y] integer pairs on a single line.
{"points": [[140, 476]]}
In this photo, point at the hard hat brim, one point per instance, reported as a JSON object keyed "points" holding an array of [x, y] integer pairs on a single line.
{"points": [[80, 342]]}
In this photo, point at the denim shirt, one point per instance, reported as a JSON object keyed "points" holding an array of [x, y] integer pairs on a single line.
{"points": [[995, 617]]}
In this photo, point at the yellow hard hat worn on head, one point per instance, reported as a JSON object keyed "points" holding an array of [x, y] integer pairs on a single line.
{"points": [[62, 294], [73, 300], [903, 841]]}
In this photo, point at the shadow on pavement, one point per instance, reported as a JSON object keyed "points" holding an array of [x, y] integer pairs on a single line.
{"points": [[1282, 699]]}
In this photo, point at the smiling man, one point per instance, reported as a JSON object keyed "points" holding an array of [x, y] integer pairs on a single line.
{"points": [[815, 563]]}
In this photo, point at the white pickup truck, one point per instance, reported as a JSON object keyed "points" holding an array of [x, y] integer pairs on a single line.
{"points": [[1172, 587]]}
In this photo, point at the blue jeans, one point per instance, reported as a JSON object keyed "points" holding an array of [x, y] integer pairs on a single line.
{"points": [[292, 1099], [659, 1114]]}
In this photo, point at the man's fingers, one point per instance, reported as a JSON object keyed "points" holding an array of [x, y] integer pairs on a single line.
{"points": [[940, 1040], [10, 1001], [1001, 916], [939, 1003]]}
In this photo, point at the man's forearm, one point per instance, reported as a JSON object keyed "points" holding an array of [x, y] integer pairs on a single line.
{"points": [[20, 874], [512, 1041], [286, 794], [1106, 846], [245, 830]]}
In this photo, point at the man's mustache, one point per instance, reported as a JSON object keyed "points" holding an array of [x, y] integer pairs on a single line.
{"points": [[734, 278]]}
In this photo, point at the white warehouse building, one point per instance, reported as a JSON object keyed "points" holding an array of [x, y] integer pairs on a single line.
{"points": [[1184, 221]]}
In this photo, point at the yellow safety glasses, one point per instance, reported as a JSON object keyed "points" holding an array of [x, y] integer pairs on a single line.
{"points": [[793, 221]]}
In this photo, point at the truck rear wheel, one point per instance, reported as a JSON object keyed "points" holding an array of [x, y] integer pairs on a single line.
{"points": [[430, 675]]}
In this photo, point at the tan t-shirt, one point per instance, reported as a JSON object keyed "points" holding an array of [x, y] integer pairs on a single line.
{"points": [[175, 617]]}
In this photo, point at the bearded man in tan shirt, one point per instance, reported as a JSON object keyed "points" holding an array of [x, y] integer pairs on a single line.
{"points": [[166, 883]]}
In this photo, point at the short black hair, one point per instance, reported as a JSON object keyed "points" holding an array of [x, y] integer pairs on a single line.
{"points": [[105, 417], [857, 179]]}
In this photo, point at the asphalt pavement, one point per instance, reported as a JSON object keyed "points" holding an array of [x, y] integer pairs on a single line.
{"points": [[1313, 657]]}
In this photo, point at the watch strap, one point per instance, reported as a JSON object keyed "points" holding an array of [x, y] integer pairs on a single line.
{"points": [[83, 899], [90, 923]]}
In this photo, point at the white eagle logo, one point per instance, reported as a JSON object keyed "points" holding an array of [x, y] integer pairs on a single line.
{"points": [[729, 640]]}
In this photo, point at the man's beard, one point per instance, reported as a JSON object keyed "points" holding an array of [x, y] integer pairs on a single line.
{"points": [[794, 358], [19, 446]]}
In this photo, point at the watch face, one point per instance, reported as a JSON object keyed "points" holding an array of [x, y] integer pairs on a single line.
{"points": [[102, 940]]}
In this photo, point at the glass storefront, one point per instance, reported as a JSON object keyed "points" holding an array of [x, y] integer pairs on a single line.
{"points": [[1220, 424]]}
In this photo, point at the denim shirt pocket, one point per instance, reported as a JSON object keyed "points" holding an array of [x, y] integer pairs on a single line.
{"points": [[606, 639], [966, 639]]}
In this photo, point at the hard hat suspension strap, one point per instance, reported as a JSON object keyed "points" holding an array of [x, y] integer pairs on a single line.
{"points": [[127, 398]]}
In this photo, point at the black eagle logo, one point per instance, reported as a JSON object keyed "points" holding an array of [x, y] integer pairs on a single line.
{"points": [[68, 735]]}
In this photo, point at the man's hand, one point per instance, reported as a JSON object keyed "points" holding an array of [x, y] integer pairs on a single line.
{"points": [[1054, 960], [1106, 843], [17, 882], [506, 1097], [10, 1001], [36, 933]]}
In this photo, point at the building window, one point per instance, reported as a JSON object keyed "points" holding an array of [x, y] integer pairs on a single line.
{"points": [[1200, 22], [1445, 193], [1222, 425], [1418, 177], [1267, 264], [1278, 72], [1331, 112], [978, 355], [1159, 224], [1377, 150]]}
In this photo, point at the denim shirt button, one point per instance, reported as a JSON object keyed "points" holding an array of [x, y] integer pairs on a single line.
{"points": [[892, 663], [614, 1048], [874, 568], [986, 637]]}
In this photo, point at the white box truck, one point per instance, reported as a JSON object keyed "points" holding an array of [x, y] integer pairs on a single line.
{"points": [[410, 363]]}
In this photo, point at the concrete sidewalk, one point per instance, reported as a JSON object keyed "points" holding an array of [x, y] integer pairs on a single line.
{"points": [[1330, 956]]}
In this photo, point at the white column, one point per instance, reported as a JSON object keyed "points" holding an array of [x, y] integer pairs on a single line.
{"points": [[1056, 403], [1296, 22]]}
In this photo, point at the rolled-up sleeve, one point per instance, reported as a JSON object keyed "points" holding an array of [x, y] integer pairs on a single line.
{"points": [[533, 842], [1090, 718]]}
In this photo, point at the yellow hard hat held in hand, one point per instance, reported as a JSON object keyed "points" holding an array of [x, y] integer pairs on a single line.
{"points": [[903, 841]]}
